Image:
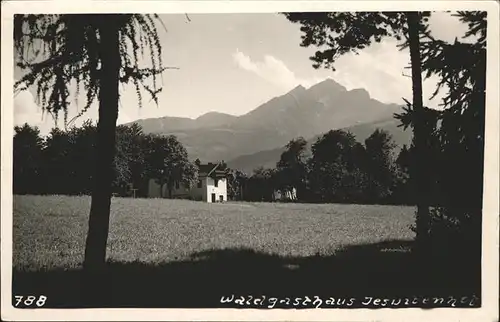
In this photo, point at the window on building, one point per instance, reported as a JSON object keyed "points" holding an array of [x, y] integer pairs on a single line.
{"points": [[199, 183], [216, 182]]}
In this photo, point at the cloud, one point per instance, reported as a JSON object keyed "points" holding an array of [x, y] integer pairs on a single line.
{"points": [[383, 71], [378, 69], [272, 70]]}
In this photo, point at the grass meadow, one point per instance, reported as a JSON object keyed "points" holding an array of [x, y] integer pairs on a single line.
{"points": [[192, 253], [49, 232]]}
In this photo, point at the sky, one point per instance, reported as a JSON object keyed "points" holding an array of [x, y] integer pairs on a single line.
{"points": [[232, 63]]}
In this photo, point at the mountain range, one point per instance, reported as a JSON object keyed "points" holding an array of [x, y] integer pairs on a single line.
{"points": [[258, 137]]}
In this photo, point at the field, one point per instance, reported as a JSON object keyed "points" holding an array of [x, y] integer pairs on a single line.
{"points": [[49, 232], [193, 253]]}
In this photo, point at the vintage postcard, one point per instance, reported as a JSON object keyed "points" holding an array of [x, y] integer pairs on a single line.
{"points": [[250, 160]]}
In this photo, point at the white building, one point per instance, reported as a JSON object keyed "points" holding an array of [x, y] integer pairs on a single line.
{"points": [[211, 186], [286, 195]]}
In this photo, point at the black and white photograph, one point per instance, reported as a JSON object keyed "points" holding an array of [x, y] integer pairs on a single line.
{"points": [[318, 160]]}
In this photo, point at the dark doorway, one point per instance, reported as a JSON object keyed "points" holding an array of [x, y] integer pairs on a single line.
{"points": [[213, 197], [221, 198]]}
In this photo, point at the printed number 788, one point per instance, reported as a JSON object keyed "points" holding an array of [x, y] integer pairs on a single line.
{"points": [[30, 300]]}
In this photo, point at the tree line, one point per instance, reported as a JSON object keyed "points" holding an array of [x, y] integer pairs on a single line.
{"points": [[339, 170], [336, 169], [64, 162]]}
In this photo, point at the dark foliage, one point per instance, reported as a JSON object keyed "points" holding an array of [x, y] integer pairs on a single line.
{"points": [[62, 163], [27, 160], [459, 135], [261, 185], [292, 167], [235, 184], [339, 170], [167, 162]]}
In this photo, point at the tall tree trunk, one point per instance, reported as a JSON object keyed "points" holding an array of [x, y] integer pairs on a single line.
{"points": [[421, 157], [95, 248]]}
